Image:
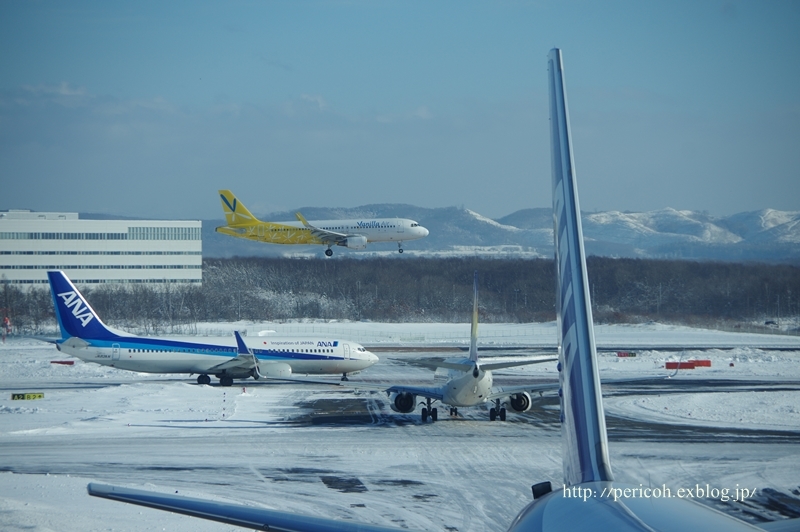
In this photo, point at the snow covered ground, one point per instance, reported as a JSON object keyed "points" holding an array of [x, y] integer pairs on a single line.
{"points": [[332, 452]]}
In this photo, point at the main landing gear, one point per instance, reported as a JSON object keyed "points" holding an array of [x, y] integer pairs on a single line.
{"points": [[453, 412], [344, 377], [400, 247], [428, 411], [497, 411], [329, 252], [224, 380]]}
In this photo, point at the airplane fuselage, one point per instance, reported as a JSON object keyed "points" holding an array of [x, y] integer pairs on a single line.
{"points": [[374, 230], [464, 389], [171, 355]]}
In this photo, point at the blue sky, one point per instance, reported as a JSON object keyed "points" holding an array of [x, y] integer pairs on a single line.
{"points": [[147, 108]]}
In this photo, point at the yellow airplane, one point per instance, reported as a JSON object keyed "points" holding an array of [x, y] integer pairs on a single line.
{"points": [[353, 234]]}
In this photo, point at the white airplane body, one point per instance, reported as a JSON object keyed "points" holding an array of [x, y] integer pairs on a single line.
{"points": [[590, 499], [465, 382], [352, 234], [85, 336]]}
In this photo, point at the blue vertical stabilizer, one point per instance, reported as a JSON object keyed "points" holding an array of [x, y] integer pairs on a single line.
{"points": [[583, 426], [74, 314]]}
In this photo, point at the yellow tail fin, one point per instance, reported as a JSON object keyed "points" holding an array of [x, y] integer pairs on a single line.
{"points": [[235, 212]]}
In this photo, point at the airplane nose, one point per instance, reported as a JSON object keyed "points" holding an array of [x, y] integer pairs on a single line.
{"points": [[372, 357], [425, 232]]}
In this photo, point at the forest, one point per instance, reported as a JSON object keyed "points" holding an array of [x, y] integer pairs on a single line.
{"points": [[431, 290]]}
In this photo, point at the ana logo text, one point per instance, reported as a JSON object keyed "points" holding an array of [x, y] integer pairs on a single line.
{"points": [[328, 344], [80, 310]]}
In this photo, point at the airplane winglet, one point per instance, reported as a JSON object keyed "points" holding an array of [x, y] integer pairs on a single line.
{"points": [[583, 426], [242, 347], [302, 219], [243, 350]]}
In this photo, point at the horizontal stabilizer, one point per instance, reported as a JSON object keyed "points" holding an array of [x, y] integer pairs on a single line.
{"points": [[501, 365], [75, 343], [458, 366]]}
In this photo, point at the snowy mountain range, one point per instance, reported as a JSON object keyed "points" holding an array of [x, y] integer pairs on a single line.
{"points": [[766, 236]]}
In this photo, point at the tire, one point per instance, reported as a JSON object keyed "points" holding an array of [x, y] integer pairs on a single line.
{"points": [[203, 379], [329, 252], [492, 414], [225, 381], [424, 415], [434, 414], [502, 414]]}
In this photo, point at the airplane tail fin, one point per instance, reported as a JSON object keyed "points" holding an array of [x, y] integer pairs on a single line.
{"points": [[473, 336], [242, 348], [583, 426], [235, 212], [75, 316]]}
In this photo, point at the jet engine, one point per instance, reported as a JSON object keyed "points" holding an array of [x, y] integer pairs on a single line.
{"points": [[403, 402], [356, 242], [520, 402], [275, 370]]}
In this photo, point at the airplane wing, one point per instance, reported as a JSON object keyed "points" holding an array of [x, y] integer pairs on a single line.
{"points": [[505, 391], [238, 362], [231, 514], [323, 234], [433, 393], [484, 366]]}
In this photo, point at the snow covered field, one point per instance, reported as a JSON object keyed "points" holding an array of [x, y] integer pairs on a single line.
{"points": [[332, 452]]}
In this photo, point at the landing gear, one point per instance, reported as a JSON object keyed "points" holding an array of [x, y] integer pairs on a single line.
{"points": [[329, 252], [400, 247], [433, 413], [203, 379], [497, 411], [428, 411], [453, 412], [225, 380], [344, 377]]}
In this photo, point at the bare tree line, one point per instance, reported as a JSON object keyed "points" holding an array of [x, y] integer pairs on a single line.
{"points": [[428, 290]]}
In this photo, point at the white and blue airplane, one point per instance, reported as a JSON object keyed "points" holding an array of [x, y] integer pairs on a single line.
{"points": [[85, 336], [591, 499]]}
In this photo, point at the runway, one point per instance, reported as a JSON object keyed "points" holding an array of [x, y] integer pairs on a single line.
{"points": [[337, 453]]}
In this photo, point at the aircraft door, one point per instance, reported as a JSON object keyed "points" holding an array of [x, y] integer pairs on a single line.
{"points": [[114, 351], [400, 228], [346, 351]]}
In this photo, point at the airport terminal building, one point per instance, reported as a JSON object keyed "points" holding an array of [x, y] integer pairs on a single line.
{"points": [[94, 252]]}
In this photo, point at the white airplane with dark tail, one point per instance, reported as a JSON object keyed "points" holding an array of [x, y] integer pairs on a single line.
{"points": [[603, 503], [85, 336]]}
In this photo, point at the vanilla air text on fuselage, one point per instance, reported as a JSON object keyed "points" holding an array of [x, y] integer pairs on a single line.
{"points": [[352, 234]]}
